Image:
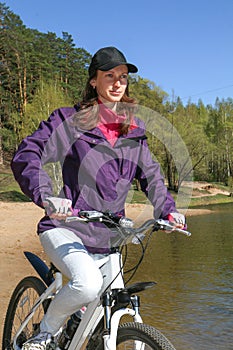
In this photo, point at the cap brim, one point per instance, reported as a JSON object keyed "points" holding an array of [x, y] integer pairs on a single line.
{"points": [[107, 66]]}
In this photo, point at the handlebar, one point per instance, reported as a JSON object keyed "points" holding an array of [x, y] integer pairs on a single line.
{"points": [[122, 222]]}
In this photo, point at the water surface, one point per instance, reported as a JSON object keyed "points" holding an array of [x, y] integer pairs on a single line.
{"points": [[192, 304]]}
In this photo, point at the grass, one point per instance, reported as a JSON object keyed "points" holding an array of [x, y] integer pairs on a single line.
{"points": [[11, 192], [136, 197], [9, 189], [207, 200]]}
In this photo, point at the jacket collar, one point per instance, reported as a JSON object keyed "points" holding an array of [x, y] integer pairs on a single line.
{"points": [[95, 135]]}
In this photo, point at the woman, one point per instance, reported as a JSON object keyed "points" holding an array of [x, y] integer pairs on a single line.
{"points": [[102, 148]]}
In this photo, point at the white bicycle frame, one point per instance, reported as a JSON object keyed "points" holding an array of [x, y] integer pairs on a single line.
{"points": [[112, 271], [111, 268]]}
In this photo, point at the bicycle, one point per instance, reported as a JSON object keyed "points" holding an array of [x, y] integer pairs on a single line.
{"points": [[100, 326]]}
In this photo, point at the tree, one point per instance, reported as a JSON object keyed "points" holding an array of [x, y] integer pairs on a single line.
{"points": [[219, 130], [48, 97], [29, 57], [147, 93], [189, 122]]}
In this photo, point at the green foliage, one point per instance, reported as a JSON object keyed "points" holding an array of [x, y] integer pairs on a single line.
{"points": [[29, 58], [48, 97], [41, 72], [147, 93], [219, 130]]}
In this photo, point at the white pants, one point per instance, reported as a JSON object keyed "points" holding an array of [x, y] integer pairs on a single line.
{"points": [[68, 254]]}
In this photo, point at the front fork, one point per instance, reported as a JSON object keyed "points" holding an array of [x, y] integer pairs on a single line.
{"points": [[111, 321]]}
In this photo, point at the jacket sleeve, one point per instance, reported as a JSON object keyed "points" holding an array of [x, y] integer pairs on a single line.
{"points": [[48, 143], [152, 184]]}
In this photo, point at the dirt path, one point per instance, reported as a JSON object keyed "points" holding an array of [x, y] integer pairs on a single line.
{"points": [[18, 233]]}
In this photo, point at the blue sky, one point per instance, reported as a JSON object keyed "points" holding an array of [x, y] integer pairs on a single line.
{"points": [[184, 46]]}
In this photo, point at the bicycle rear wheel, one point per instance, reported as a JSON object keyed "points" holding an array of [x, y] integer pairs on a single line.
{"points": [[21, 302]]}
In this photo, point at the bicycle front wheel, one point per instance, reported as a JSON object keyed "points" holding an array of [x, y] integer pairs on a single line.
{"points": [[139, 336], [135, 336], [21, 302]]}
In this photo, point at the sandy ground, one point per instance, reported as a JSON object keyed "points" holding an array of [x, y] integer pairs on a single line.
{"points": [[18, 233]]}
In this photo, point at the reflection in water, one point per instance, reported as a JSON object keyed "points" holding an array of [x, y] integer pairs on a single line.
{"points": [[192, 302]]}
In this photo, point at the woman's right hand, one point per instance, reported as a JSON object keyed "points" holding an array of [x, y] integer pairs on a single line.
{"points": [[58, 208]]}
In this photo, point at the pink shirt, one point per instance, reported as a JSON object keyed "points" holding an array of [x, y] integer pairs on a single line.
{"points": [[110, 123]]}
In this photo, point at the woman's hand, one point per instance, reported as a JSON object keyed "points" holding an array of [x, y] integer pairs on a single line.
{"points": [[178, 220], [58, 208]]}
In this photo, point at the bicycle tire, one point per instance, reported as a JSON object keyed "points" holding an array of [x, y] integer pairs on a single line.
{"points": [[130, 332], [21, 301]]}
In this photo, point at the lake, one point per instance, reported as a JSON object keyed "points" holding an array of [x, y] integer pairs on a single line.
{"points": [[192, 302]]}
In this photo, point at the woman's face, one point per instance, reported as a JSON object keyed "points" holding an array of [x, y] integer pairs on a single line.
{"points": [[110, 85]]}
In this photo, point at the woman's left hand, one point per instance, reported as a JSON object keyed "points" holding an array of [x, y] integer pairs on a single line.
{"points": [[178, 220]]}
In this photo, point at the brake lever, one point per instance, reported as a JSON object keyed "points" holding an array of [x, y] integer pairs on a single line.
{"points": [[165, 225], [76, 218]]}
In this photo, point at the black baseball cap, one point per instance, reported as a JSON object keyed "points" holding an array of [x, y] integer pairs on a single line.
{"points": [[107, 58]]}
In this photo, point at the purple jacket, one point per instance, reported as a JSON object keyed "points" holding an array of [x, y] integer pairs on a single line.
{"points": [[95, 174]]}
